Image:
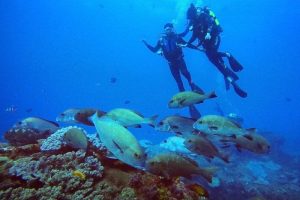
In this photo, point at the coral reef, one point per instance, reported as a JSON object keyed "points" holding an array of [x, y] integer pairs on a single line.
{"points": [[81, 175]]}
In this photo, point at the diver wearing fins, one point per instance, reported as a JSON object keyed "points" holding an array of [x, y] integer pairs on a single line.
{"points": [[171, 45], [206, 28]]}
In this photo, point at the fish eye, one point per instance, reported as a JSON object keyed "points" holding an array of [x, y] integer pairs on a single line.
{"points": [[189, 141], [165, 141], [171, 101], [19, 123], [62, 114], [136, 155], [160, 123], [79, 113]]}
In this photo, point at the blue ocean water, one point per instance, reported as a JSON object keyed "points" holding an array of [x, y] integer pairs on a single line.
{"points": [[62, 54]]}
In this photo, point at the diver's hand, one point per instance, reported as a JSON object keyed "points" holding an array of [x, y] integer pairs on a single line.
{"points": [[182, 45], [207, 36]]}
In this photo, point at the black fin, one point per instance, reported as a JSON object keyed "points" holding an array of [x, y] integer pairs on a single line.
{"points": [[239, 91], [234, 64]]}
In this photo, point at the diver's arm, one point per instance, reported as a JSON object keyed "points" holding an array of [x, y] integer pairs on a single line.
{"points": [[185, 32], [151, 48], [183, 43]]}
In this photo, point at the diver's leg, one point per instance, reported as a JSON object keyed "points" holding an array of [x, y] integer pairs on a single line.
{"points": [[176, 74], [219, 63], [184, 71]]}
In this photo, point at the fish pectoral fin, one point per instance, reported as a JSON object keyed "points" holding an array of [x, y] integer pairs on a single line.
{"points": [[118, 146], [181, 101]]}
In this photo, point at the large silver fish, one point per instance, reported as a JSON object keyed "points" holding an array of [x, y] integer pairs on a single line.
{"points": [[117, 139]]}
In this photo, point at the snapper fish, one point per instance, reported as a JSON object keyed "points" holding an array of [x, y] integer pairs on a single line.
{"points": [[188, 98], [127, 117], [76, 137], [38, 124], [257, 144], [76, 115], [201, 145], [176, 124], [118, 140], [221, 126], [172, 165]]}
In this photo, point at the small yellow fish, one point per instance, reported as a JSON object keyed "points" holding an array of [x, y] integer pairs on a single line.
{"points": [[79, 174]]}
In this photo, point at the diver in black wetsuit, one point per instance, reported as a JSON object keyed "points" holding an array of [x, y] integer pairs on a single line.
{"points": [[206, 28], [171, 46]]}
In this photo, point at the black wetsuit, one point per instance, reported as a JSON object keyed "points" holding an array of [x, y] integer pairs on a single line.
{"points": [[169, 44], [203, 24]]}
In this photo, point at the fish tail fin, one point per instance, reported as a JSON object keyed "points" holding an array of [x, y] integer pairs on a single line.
{"points": [[151, 120], [208, 173], [94, 117], [212, 95]]}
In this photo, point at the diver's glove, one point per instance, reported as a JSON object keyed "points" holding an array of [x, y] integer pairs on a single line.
{"points": [[207, 36]]}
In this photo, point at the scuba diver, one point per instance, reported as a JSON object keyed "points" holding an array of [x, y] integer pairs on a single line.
{"points": [[206, 28], [170, 46]]}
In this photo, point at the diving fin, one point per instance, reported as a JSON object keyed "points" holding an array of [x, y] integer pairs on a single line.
{"points": [[196, 88], [227, 83], [238, 90], [234, 64], [194, 113]]}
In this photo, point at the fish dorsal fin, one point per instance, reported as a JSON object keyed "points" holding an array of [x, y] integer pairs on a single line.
{"points": [[138, 113], [235, 122], [251, 130], [198, 92], [193, 162]]}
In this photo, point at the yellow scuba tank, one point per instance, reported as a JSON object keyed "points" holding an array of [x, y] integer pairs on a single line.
{"points": [[212, 14]]}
